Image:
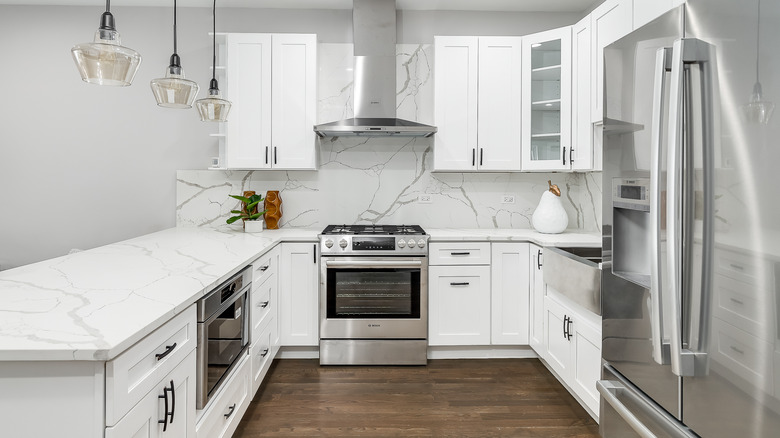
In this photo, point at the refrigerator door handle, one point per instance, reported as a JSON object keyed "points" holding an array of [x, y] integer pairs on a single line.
{"points": [[687, 361], [663, 65], [609, 391]]}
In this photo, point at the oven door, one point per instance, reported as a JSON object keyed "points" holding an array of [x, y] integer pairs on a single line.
{"points": [[374, 298]]}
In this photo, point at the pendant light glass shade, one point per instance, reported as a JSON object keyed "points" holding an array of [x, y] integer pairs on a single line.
{"points": [[758, 110], [173, 90], [213, 108], [105, 61]]}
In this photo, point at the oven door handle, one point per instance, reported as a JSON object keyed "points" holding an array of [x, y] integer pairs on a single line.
{"points": [[374, 264]]}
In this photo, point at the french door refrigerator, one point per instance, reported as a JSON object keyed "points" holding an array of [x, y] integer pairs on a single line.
{"points": [[691, 225]]}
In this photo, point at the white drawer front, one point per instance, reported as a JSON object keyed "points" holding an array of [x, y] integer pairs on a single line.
{"points": [[744, 306], [264, 267], [132, 374], [744, 268], [459, 253], [744, 354], [262, 353], [263, 303], [224, 411]]}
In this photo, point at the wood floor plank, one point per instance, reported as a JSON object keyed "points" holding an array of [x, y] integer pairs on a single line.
{"points": [[457, 398]]}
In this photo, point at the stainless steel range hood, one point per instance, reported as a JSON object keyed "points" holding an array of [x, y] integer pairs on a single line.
{"points": [[373, 26]]}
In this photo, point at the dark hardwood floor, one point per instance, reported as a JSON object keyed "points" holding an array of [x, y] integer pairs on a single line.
{"points": [[458, 398]]}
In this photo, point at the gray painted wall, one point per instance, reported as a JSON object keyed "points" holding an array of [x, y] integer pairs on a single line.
{"points": [[83, 166]]}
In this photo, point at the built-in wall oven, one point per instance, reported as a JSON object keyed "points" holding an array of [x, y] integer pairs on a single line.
{"points": [[223, 333], [373, 295]]}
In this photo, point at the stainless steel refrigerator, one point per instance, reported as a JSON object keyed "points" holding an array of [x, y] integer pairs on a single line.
{"points": [[691, 225]]}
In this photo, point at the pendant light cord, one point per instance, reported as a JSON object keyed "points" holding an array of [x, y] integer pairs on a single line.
{"points": [[108, 5], [214, 41], [174, 28], [758, 31]]}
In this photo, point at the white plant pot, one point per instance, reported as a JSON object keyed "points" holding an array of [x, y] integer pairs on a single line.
{"points": [[550, 217], [255, 226]]}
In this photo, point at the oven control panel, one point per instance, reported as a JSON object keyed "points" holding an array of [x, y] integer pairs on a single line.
{"points": [[360, 243], [374, 245]]}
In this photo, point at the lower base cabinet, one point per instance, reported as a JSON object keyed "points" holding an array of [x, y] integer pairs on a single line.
{"points": [[573, 347], [459, 300], [264, 347], [225, 410], [158, 414]]}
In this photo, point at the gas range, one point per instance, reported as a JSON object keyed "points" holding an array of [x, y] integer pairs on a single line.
{"points": [[356, 240]]}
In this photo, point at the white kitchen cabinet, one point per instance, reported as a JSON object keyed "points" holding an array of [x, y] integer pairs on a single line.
{"points": [[478, 105], [171, 401], [271, 82], [547, 100], [264, 298], [226, 408], [459, 301], [509, 294], [573, 347], [610, 21], [298, 293], [581, 96], [536, 300], [645, 11], [265, 345]]}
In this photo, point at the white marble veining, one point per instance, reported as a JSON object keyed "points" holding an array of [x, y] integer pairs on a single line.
{"points": [[567, 238], [92, 305], [379, 180]]}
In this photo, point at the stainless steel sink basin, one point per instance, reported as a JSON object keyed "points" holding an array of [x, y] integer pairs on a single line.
{"points": [[576, 273]]}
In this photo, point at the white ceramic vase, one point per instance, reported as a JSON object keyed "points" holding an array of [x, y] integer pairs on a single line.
{"points": [[549, 216], [255, 226]]}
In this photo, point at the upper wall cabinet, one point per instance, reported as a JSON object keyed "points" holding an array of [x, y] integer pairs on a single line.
{"points": [[271, 81], [581, 95], [646, 11], [478, 103], [610, 21], [547, 100]]}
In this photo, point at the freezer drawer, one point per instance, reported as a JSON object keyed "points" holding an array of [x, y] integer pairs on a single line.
{"points": [[626, 412]]}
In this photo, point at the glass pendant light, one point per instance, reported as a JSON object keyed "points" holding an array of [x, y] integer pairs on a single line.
{"points": [[213, 108], [174, 91], [105, 61], [758, 110]]}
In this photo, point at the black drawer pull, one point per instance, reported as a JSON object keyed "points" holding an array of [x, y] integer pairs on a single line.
{"points": [[565, 320], [264, 304], [568, 330], [263, 268], [231, 409], [539, 259], [264, 353], [166, 412], [168, 349], [460, 284], [460, 253]]}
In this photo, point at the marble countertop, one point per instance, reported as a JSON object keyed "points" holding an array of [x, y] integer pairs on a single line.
{"points": [[94, 304], [567, 238]]}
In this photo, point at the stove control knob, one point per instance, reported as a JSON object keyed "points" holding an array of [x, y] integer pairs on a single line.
{"points": [[421, 243], [329, 243], [411, 243], [401, 243], [343, 243]]}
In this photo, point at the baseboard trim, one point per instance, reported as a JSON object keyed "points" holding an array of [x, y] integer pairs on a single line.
{"points": [[298, 353]]}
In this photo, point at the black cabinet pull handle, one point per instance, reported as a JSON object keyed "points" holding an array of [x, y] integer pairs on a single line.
{"points": [[264, 353], [274, 154], [460, 284], [539, 259], [266, 155], [473, 157], [168, 349], [264, 304], [480, 156], [564, 156], [263, 268], [315, 253], [460, 253], [231, 408], [568, 330], [166, 412], [565, 319]]}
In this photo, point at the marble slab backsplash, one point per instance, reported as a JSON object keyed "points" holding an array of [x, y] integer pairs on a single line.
{"points": [[379, 180]]}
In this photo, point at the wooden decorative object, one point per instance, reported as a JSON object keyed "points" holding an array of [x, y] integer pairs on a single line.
{"points": [[273, 207]]}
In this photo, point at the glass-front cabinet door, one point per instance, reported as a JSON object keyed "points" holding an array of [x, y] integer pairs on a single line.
{"points": [[547, 100]]}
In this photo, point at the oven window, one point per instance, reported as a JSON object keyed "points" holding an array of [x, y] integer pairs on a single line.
{"points": [[374, 293], [226, 341]]}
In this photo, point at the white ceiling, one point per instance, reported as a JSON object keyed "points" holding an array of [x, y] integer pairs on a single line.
{"points": [[449, 5]]}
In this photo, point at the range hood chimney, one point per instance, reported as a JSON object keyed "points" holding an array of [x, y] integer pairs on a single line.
{"points": [[373, 28]]}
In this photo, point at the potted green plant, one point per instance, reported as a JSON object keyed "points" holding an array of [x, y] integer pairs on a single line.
{"points": [[253, 219]]}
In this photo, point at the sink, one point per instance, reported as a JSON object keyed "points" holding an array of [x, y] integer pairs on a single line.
{"points": [[575, 272]]}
